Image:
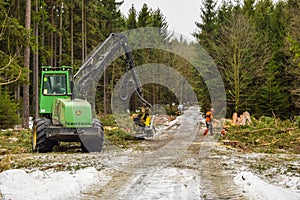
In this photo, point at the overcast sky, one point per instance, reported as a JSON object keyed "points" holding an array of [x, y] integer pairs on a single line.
{"points": [[180, 15]]}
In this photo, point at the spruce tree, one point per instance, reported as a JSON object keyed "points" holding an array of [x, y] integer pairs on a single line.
{"points": [[131, 22], [8, 111], [144, 17], [205, 36], [292, 44], [207, 24]]}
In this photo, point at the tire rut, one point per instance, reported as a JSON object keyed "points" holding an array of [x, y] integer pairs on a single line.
{"points": [[216, 181], [183, 166], [117, 181]]}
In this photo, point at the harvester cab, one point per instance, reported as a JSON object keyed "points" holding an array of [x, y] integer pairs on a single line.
{"points": [[56, 83]]}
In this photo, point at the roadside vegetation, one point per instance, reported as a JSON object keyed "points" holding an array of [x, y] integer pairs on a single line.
{"points": [[13, 142], [265, 135]]}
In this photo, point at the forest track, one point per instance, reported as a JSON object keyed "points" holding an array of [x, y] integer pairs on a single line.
{"points": [[179, 164]]}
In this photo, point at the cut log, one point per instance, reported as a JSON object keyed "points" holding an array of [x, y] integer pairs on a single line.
{"points": [[257, 130], [233, 143]]}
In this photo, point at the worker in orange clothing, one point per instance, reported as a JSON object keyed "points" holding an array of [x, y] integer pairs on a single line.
{"points": [[208, 121]]}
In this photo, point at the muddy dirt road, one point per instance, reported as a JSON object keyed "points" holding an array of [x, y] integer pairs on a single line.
{"points": [[177, 164]]}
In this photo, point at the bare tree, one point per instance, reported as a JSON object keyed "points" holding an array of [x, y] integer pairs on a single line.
{"points": [[9, 71]]}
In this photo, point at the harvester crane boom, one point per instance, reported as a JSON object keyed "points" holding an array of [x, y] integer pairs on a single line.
{"points": [[114, 46]]}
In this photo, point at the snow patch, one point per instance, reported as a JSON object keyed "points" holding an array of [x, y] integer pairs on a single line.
{"points": [[258, 189], [16, 184]]}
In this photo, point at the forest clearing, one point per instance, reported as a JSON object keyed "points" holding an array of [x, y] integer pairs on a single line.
{"points": [[179, 162], [96, 103]]}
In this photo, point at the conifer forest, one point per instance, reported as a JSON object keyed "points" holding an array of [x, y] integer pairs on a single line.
{"points": [[254, 43]]}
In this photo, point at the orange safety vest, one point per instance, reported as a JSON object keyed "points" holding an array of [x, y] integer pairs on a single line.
{"points": [[208, 116]]}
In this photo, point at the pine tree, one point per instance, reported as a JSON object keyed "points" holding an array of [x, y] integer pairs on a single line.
{"points": [[292, 44], [8, 111], [271, 24], [248, 8], [131, 22], [205, 36], [110, 22], [273, 99], [207, 26], [144, 17]]}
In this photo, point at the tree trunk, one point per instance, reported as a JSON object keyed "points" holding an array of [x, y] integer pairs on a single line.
{"points": [[72, 34], [85, 36], [104, 93], [82, 31], [17, 98], [55, 51], [52, 35], [61, 34], [36, 68], [25, 116]]}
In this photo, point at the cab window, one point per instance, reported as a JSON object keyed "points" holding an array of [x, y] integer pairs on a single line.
{"points": [[54, 84]]}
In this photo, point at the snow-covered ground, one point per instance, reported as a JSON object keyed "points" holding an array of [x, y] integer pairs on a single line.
{"points": [[16, 184], [257, 189]]}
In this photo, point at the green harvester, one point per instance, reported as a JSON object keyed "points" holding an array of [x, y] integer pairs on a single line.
{"points": [[62, 116]]}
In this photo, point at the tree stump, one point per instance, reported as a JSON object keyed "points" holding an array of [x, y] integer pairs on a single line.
{"points": [[234, 118], [243, 119]]}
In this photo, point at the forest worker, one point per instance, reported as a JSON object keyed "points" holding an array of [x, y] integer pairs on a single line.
{"points": [[208, 122]]}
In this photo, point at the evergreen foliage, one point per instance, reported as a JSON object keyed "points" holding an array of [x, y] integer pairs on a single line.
{"points": [[255, 45], [251, 44], [131, 22], [8, 111]]}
